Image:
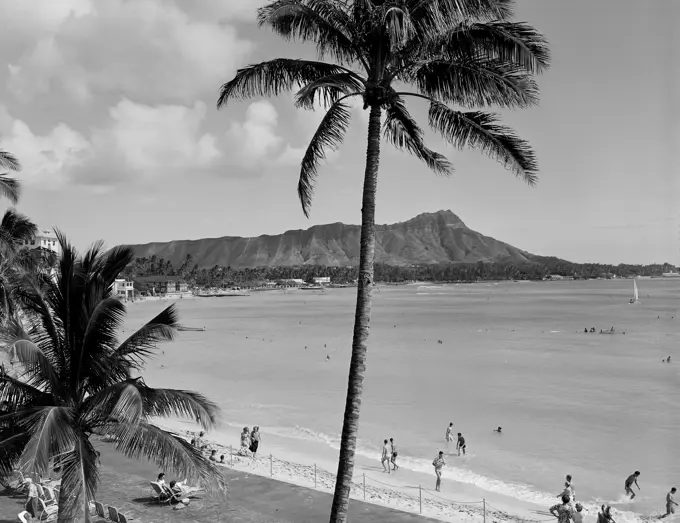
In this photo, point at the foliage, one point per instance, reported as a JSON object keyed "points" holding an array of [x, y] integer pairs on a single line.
{"points": [[536, 270], [77, 380]]}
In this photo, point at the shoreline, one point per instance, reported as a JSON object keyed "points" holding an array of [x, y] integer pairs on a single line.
{"points": [[403, 491]]}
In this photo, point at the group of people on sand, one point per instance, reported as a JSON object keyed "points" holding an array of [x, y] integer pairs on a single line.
{"points": [[571, 511], [592, 330], [389, 455], [250, 441]]}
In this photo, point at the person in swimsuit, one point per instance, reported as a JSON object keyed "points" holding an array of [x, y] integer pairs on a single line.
{"points": [[460, 445], [449, 432], [394, 454], [255, 440], [632, 480], [605, 516], [563, 512], [670, 503], [385, 460], [438, 464]]}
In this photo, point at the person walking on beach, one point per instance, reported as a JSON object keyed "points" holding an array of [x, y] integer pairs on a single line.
{"points": [[632, 480], [394, 454], [386, 453], [255, 440], [460, 445], [438, 464], [563, 511], [670, 503], [449, 433]]}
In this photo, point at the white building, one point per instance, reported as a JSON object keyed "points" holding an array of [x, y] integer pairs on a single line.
{"points": [[122, 288], [44, 239], [321, 280]]}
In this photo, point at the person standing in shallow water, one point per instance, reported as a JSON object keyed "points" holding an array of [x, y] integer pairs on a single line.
{"points": [[386, 453], [632, 480], [460, 445], [670, 503], [438, 464], [449, 433]]}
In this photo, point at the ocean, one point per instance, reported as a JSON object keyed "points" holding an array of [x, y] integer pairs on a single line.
{"points": [[512, 354]]}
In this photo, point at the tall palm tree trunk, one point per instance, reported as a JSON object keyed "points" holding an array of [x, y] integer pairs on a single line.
{"points": [[67, 511], [362, 319]]}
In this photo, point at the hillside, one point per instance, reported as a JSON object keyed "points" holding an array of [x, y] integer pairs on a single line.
{"points": [[439, 237]]}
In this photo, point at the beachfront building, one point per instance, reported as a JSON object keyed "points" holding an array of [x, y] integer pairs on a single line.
{"points": [[292, 281], [161, 285], [321, 280], [45, 239], [123, 289]]}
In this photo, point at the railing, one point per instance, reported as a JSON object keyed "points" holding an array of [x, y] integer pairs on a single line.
{"points": [[412, 497]]}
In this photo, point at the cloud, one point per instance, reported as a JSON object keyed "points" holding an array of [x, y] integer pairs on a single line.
{"points": [[150, 50], [142, 143]]}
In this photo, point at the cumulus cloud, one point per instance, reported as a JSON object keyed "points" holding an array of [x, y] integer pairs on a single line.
{"points": [[151, 50], [141, 144]]}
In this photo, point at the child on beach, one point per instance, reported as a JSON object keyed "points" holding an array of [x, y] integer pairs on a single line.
{"points": [[577, 517], [632, 479], [438, 464], [670, 503]]}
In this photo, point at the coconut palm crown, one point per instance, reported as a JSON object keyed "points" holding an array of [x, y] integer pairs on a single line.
{"points": [[458, 57], [76, 380], [9, 187]]}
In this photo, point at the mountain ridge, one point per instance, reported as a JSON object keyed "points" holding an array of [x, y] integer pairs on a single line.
{"points": [[428, 238]]}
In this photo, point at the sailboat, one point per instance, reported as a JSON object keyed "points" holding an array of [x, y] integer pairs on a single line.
{"points": [[636, 297]]}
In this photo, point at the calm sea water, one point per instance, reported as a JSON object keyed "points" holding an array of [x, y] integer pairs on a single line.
{"points": [[512, 354]]}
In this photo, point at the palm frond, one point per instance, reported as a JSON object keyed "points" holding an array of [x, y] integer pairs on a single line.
{"points": [[516, 43], [38, 367], [327, 24], [99, 341], [328, 90], [402, 131], [18, 393], [12, 443], [169, 452], [329, 135], [15, 228], [433, 15], [479, 130], [135, 350], [51, 430], [114, 262], [165, 403], [274, 77], [80, 477], [9, 188], [400, 27], [9, 161], [477, 83]]}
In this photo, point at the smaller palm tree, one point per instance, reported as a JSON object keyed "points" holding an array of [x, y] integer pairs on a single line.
{"points": [[9, 187], [77, 381]]}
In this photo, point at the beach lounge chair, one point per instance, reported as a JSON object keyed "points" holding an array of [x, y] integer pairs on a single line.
{"points": [[50, 495], [48, 513], [113, 514], [122, 518], [47, 498], [21, 516], [101, 512], [159, 493]]}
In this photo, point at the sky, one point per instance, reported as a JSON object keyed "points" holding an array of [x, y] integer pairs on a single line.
{"points": [[110, 105]]}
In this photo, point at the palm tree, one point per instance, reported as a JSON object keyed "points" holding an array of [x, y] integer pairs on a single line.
{"points": [[9, 187], [78, 381], [466, 53]]}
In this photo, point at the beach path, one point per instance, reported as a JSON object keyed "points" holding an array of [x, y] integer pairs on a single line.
{"points": [[251, 499]]}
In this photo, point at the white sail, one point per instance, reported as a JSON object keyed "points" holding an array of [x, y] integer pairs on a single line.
{"points": [[636, 297]]}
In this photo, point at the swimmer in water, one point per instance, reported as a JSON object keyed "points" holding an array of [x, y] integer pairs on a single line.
{"points": [[328, 358], [499, 430], [449, 432]]}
